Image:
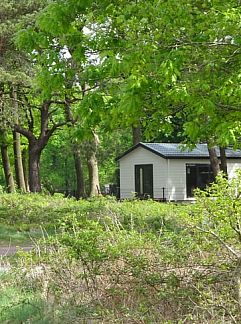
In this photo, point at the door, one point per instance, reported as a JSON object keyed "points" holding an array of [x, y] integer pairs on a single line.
{"points": [[144, 180]]}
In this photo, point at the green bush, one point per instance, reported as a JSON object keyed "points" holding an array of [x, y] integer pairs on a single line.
{"points": [[26, 212], [132, 261]]}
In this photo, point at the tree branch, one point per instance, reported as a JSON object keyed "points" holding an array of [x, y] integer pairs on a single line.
{"points": [[25, 132], [54, 128], [228, 247]]}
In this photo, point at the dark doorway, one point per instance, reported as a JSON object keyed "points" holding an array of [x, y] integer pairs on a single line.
{"points": [[144, 180], [198, 176]]}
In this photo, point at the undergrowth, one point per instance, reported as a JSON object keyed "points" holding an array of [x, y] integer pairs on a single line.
{"points": [[124, 262]]}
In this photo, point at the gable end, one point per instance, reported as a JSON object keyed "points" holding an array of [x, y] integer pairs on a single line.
{"points": [[143, 146]]}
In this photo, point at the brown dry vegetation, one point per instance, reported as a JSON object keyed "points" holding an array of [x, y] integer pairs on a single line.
{"points": [[129, 262]]}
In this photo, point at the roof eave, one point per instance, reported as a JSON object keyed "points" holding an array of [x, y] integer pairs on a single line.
{"points": [[177, 157], [139, 145], [196, 157]]}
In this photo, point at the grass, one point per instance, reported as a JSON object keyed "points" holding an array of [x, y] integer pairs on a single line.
{"points": [[10, 235], [23, 217], [17, 306]]}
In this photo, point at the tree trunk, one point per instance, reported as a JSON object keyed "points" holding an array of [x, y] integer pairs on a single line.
{"points": [[6, 164], [223, 159], [17, 144], [93, 167], [136, 134], [214, 161], [18, 162], [93, 175], [34, 170], [80, 184], [37, 144], [66, 178], [25, 167]]}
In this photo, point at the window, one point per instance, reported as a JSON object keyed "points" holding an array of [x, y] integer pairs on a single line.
{"points": [[198, 176]]}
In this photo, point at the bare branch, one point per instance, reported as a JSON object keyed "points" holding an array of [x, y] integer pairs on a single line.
{"points": [[228, 247], [54, 128]]}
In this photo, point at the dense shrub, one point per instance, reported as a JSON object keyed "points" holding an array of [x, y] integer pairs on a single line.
{"points": [[31, 210], [134, 261], [120, 275]]}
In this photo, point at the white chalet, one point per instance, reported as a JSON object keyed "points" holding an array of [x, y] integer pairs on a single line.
{"points": [[167, 171]]}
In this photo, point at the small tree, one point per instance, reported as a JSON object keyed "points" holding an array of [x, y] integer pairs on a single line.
{"points": [[217, 214]]}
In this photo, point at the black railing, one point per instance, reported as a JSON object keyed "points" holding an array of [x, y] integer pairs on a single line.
{"points": [[114, 190]]}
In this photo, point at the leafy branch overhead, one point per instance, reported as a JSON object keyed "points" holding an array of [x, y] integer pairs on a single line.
{"points": [[146, 59]]}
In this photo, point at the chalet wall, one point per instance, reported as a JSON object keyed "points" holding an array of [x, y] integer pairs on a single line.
{"points": [[127, 172], [176, 188], [170, 174], [233, 165]]}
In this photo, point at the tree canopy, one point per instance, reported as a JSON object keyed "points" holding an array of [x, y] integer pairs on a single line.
{"points": [[171, 68]]}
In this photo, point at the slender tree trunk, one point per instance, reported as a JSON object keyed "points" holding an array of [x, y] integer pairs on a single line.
{"points": [[34, 170], [80, 184], [6, 164], [18, 162], [93, 175], [25, 167], [93, 167], [136, 134], [214, 161], [17, 145], [15, 151], [66, 177], [223, 159]]}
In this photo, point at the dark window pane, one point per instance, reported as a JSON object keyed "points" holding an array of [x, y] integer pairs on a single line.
{"points": [[198, 176], [191, 171]]}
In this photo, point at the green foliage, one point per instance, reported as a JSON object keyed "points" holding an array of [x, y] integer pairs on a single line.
{"points": [[15, 15], [10, 234], [155, 60], [57, 171], [18, 306], [51, 210], [217, 211], [127, 261], [134, 261]]}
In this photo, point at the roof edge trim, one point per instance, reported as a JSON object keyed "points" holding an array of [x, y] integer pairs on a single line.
{"points": [[141, 144]]}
